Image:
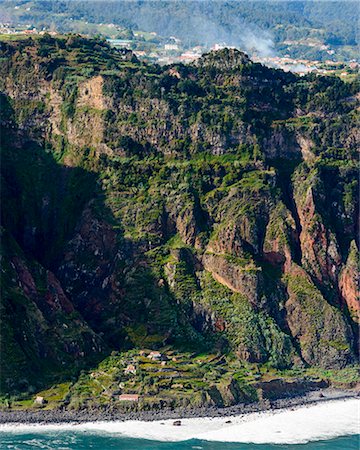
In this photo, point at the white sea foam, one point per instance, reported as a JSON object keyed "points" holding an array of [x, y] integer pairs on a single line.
{"points": [[290, 426]]}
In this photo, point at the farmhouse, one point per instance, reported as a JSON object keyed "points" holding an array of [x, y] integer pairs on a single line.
{"points": [[129, 397], [130, 369], [40, 400], [157, 356]]}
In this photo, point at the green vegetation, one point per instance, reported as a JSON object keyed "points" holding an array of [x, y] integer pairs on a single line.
{"points": [[177, 209], [181, 380]]}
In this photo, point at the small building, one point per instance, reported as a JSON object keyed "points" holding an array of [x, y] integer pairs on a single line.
{"points": [[130, 369], [40, 400], [140, 53], [157, 356], [217, 47], [129, 397], [189, 56], [33, 31], [171, 47], [121, 43]]}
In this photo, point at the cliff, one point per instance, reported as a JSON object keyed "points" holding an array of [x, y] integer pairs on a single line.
{"points": [[210, 207]]}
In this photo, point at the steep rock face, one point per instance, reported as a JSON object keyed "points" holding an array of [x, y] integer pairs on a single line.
{"points": [[200, 205], [185, 213], [321, 331], [181, 274], [323, 334], [282, 143], [278, 388], [281, 239], [154, 124], [245, 280], [90, 94], [320, 251], [306, 147], [186, 226], [231, 394], [81, 120], [87, 263], [41, 330], [240, 213], [228, 240], [113, 286], [349, 282], [253, 334], [87, 129]]}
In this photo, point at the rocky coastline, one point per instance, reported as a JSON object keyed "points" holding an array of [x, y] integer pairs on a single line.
{"points": [[63, 416]]}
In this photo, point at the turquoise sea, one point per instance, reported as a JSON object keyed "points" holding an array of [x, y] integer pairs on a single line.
{"points": [[66, 440]]}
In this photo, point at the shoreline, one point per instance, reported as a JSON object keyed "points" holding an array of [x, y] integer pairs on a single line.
{"points": [[58, 416]]}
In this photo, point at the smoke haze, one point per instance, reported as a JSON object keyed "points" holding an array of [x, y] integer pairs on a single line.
{"points": [[199, 29]]}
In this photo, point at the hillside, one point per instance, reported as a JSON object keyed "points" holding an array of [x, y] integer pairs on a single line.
{"points": [[208, 211]]}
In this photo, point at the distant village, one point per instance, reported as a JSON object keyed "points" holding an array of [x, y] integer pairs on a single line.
{"points": [[9, 29], [150, 47], [174, 52]]}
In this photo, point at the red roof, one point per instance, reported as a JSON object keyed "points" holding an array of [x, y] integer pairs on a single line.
{"points": [[129, 397]]}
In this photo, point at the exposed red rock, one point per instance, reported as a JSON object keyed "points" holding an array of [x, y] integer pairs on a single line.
{"points": [[349, 283]]}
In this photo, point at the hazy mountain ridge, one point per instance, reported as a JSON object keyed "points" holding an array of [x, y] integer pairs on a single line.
{"points": [[262, 26]]}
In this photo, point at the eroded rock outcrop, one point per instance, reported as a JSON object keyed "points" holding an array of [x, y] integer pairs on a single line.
{"points": [[349, 282], [41, 330], [281, 239], [324, 337], [320, 251], [244, 279], [203, 204]]}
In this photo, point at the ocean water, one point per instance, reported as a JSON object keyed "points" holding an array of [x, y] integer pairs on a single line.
{"points": [[62, 440], [331, 425]]}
